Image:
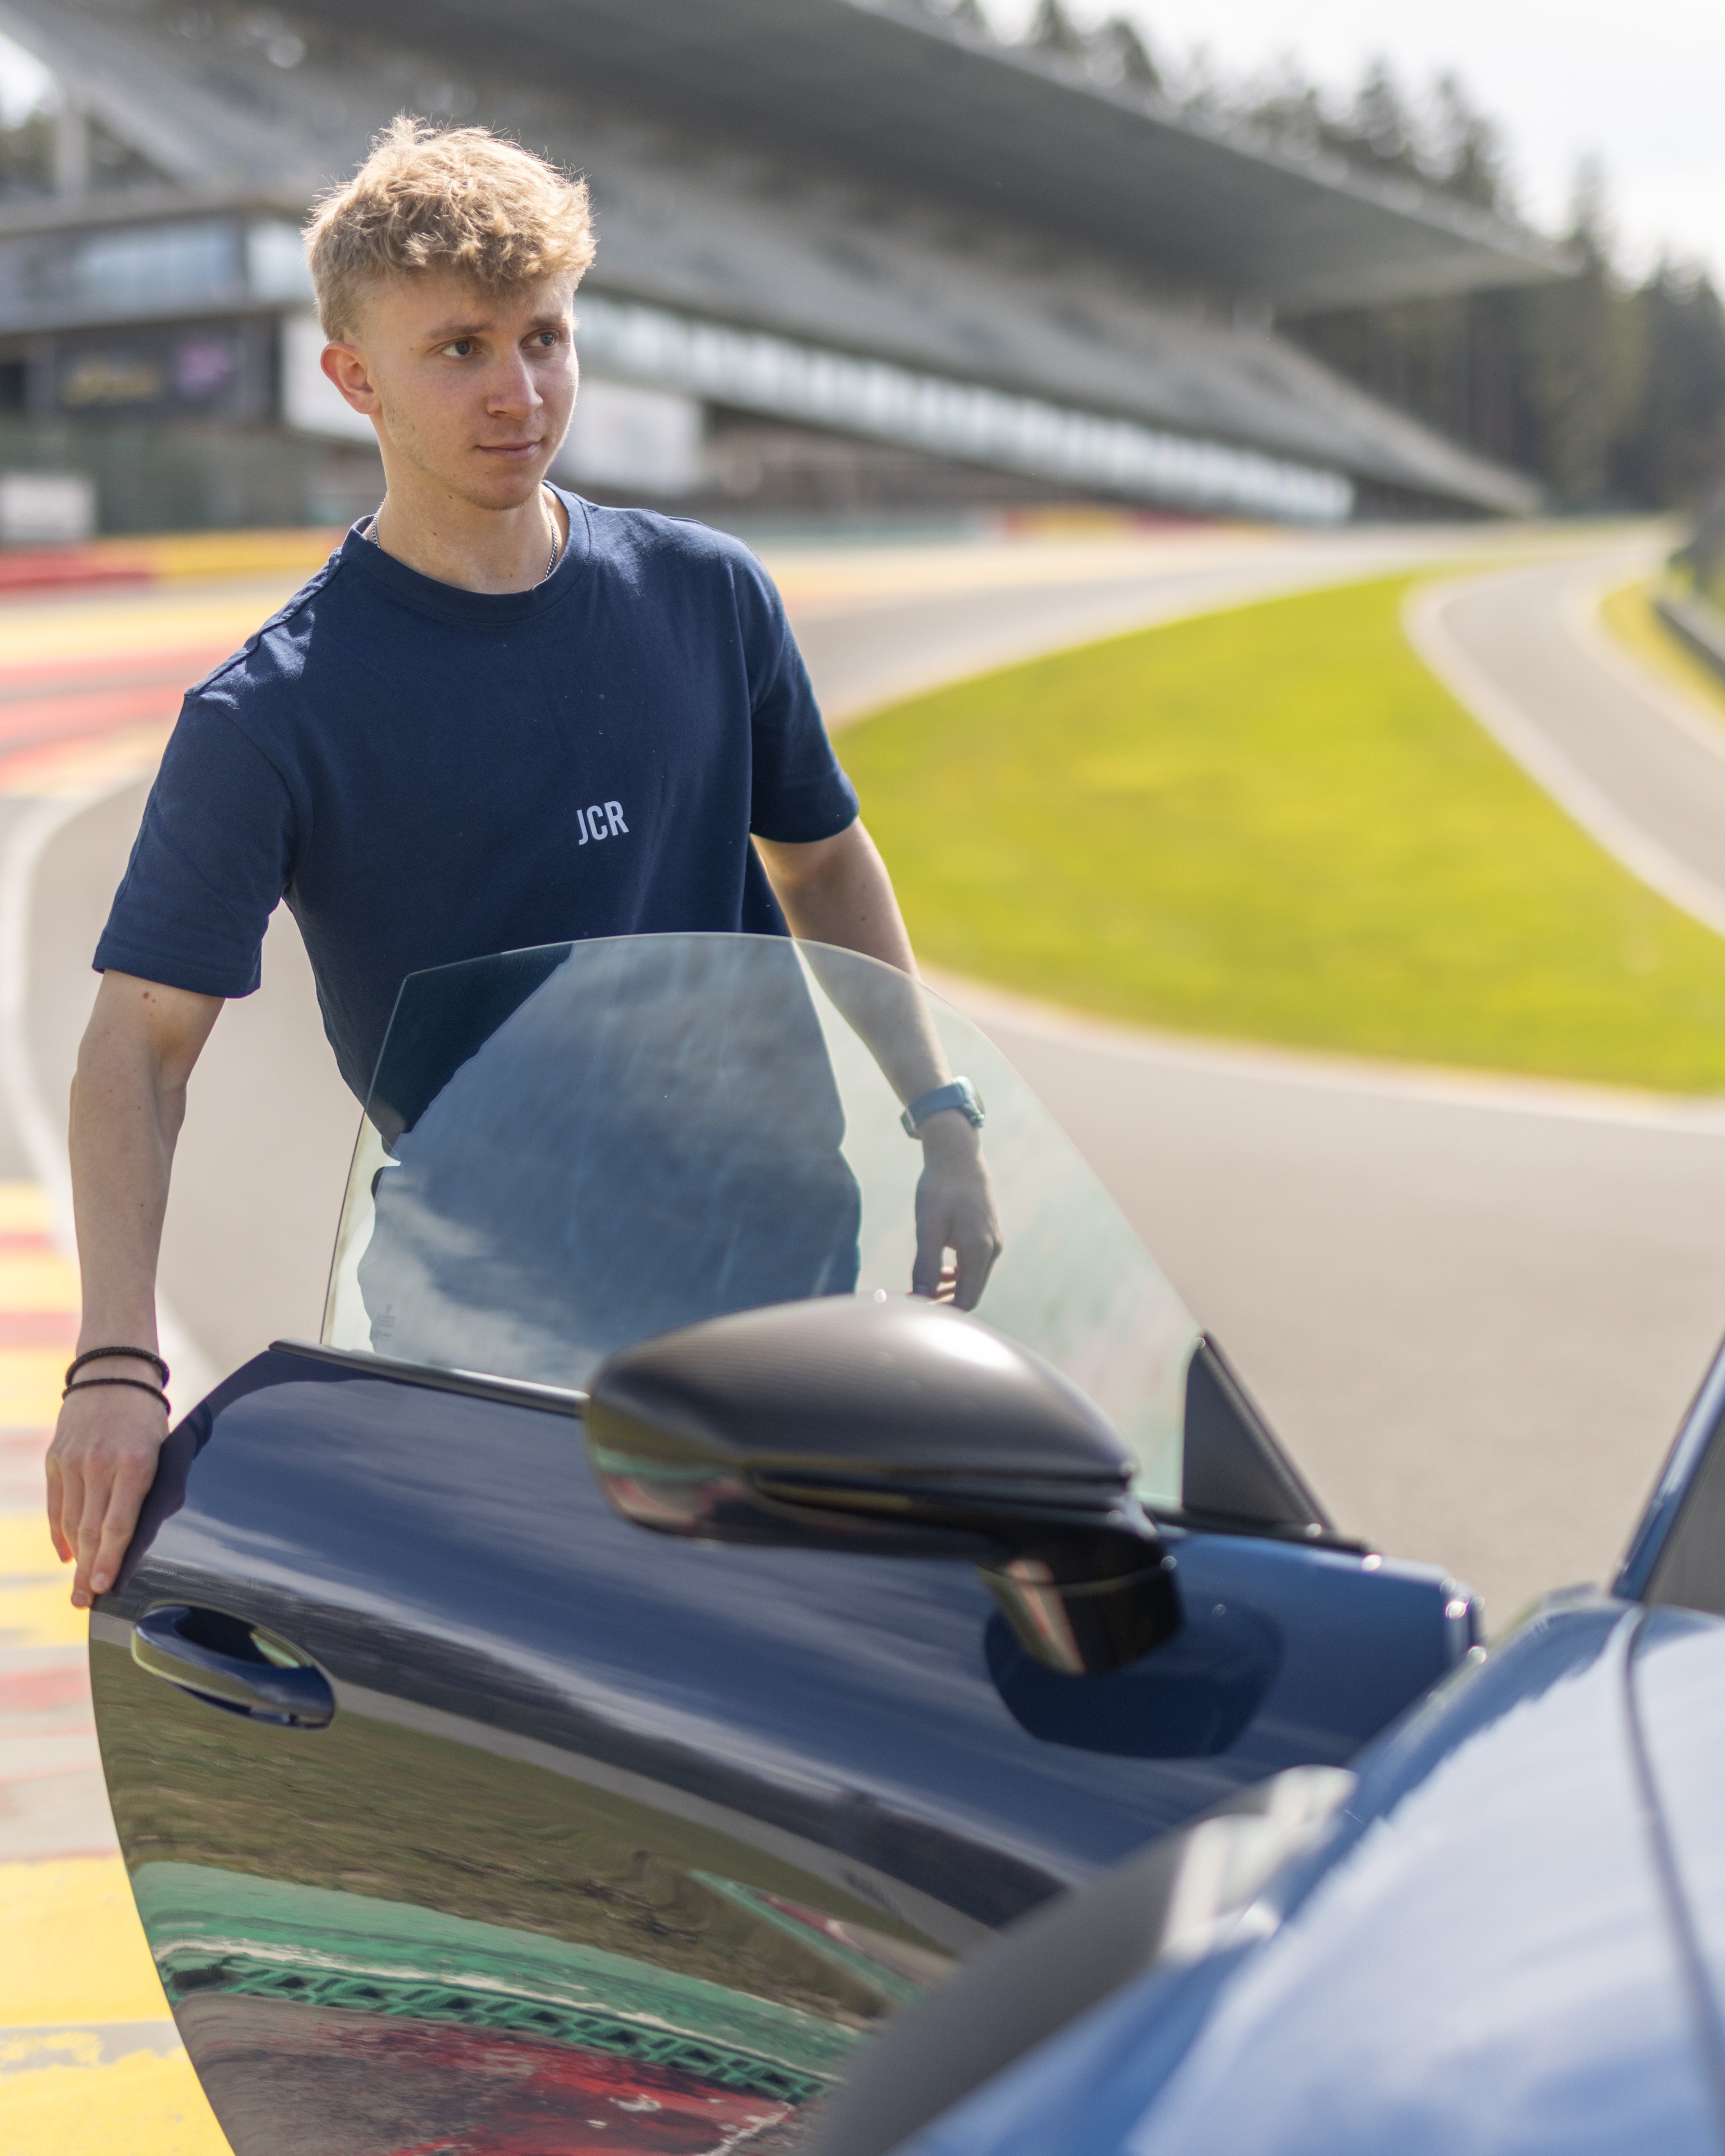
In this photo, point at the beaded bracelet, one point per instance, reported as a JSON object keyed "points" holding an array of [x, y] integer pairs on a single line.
{"points": [[137, 1355]]}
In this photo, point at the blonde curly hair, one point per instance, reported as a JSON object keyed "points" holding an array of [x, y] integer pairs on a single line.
{"points": [[463, 199]]}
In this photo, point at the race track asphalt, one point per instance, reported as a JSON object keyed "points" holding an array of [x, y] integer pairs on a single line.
{"points": [[1475, 1312], [1628, 754]]}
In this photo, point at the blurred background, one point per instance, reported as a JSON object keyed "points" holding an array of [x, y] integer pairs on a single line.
{"points": [[917, 260]]}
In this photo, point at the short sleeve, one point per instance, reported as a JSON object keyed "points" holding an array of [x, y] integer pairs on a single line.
{"points": [[213, 857], [797, 792]]}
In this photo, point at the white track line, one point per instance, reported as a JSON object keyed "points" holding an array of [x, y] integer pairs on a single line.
{"points": [[40, 1133], [1521, 738]]}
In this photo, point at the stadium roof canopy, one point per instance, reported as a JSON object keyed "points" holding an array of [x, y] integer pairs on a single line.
{"points": [[919, 97], [852, 214]]}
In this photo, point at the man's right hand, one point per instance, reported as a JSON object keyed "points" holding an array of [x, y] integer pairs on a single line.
{"points": [[100, 1467]]}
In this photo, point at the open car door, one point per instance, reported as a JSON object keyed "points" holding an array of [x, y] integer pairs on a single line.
{"points": [[466, 1810]]}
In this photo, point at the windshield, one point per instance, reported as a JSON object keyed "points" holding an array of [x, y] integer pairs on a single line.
{"points": [[570, 1148]]}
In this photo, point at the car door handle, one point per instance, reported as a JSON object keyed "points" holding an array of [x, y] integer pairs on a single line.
{"points": [[233, 1663]]}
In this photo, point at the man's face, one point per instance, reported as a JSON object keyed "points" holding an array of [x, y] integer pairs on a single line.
{"points": [[472, 389]]}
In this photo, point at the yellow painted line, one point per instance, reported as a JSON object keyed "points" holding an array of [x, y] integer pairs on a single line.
{"points": [[26, 1553], [173, 619], [234, 553], [1627, 617], [140, 2105], [37, 1279], [40, 1616], [30, 1381], [72, 1950], [34, 1610], [33, 1280], [24, 1209]]}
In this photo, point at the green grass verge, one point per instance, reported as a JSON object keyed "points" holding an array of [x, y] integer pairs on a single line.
{"points": [[1274, 824]]}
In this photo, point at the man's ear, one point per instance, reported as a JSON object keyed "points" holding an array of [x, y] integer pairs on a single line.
{"points": [[346, 368]]}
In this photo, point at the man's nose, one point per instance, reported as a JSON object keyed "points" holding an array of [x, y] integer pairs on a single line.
{"points": [[514, 390]]}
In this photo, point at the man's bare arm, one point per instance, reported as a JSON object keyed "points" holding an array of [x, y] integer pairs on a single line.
{"points": [[837, 891], [128, 1102]]}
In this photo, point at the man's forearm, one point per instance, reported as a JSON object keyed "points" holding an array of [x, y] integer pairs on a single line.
{"points": [[838, 892], [123, 1126], [128, 1102]]}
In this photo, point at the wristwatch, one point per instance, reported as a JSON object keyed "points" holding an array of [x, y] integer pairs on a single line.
{"points": [[960, 1094]]}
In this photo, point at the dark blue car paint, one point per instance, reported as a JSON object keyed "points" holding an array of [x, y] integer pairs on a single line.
{"points": [[448, 1560], [1512, 1941], [449, 1550]]}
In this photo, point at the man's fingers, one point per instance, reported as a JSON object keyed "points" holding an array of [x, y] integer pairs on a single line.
{"points": [[114, 1481], [955, 1211], [117, 1530], [975, 1256], [98, 1487], [931, 1258], [111, 1513], [56, 1502], [88, 1539]]}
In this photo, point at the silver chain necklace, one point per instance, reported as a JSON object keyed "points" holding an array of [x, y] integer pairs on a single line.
{"points": [[557, 544]]}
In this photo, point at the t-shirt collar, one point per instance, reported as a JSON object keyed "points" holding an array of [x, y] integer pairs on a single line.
{"points": [[425, 595]]}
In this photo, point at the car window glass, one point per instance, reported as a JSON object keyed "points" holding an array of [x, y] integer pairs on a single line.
{"points": [[570, 1148]]}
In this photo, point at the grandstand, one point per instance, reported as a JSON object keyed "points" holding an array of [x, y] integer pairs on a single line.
{"points": [[856, 256]]}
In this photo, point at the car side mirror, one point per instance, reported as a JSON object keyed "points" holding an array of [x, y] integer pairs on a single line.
{"points": [[897, 1427]]}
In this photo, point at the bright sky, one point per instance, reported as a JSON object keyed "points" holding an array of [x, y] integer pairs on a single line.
{"points": [[22, 83], [1643, 88]]}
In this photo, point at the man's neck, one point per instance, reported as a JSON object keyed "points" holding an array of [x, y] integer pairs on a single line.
{"points": [[476, 550]]}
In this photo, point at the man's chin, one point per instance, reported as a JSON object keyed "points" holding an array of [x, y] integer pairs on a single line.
{"points": [[499, 486]]}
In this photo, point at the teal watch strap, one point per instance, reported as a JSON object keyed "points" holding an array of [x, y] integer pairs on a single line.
{"points": [[960, 1094]]}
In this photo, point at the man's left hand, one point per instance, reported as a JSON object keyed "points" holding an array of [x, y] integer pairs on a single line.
{"points": [[955, 1212]]}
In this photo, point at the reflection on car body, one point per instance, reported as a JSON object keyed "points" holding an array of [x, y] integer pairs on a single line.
{"points": [[465, 1811]]}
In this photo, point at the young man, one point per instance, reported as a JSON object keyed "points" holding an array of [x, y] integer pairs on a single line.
{"points": [[409, 754]]}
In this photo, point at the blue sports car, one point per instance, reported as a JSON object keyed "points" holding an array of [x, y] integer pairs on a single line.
{"points": [[640, 1681]]}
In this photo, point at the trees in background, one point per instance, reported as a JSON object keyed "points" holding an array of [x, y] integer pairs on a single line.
{"points": [[1611, 392]]}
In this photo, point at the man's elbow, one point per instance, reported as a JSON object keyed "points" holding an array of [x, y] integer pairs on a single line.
{"points": [[142, 1032]]}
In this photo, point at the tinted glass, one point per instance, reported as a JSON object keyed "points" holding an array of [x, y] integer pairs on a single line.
{"points": [[570, 1148]]}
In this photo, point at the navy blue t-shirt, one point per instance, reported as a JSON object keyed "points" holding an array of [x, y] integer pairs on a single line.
{"points": [[427, 774]]}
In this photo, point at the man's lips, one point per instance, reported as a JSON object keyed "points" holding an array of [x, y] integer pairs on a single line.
{"points": [[516, 450]]}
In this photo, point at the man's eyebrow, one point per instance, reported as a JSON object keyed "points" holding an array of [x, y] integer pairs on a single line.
{"points": [[447, 333], [554, 318]]}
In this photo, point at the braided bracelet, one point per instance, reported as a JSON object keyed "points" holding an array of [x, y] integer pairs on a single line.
{"points": [[137, 1355], [134, 1384]]}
